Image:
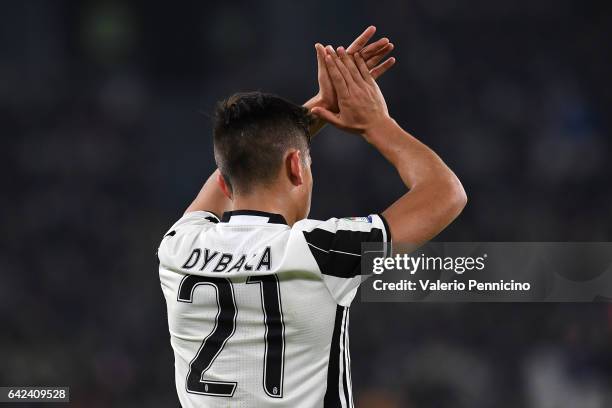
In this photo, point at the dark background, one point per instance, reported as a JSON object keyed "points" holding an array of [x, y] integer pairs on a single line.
{"points": [[105, 143]]}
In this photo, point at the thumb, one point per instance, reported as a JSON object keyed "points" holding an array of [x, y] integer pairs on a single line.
{"points": [[326, 115]]}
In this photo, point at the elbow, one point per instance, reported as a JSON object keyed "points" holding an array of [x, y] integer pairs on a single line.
{"points": [[426, 209], [450, 196], [456, 195]]}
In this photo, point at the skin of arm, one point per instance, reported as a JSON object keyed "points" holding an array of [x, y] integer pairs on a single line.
{"points": [[211, 198], [436, 196]]}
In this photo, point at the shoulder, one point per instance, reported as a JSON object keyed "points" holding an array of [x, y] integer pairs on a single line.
{"points": [[183, 237], [335, 244], [371, 224], [198, 217], [190, 224], [334, 240], [194, 219]]}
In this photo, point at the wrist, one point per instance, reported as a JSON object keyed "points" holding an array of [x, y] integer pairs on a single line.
{"points": [[377, 129]]}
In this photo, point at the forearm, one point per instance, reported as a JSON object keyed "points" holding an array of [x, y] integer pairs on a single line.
{"points": [[415, 162], [435, 196], [211, 198]]}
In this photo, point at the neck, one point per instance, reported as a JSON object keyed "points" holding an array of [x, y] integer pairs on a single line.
{"points": [[266, 201]]}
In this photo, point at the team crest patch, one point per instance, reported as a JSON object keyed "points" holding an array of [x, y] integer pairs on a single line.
{"points": [[367, 219]]}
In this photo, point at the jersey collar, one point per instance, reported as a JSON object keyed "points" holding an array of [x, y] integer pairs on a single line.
{"points": [[252, 217]]}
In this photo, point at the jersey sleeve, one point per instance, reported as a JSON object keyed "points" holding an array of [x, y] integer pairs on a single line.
{"points": [[177, 243], [335, 245]]}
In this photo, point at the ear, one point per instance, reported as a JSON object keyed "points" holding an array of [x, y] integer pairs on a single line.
{"points": [[295, 169], [224, 186]]}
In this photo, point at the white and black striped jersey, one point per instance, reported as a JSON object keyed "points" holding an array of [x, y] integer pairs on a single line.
{"points": [[258, 311]]}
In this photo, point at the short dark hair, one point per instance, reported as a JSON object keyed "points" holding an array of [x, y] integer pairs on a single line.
{"points": [[252, 132]]}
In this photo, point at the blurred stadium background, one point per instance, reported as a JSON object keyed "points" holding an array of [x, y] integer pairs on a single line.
{"points": [[105, 143]]}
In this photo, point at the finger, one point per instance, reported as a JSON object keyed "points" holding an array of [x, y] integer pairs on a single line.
{"points": [[336, 77], [320, 57], [330, 50], [377, 71], [375, 59], [374, 48], [343, 70], [362, 40], [326, 116], [363, 68], [351, 68]]}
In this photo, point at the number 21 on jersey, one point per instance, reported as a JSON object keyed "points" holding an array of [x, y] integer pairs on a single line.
{"points": [[224, 328]]}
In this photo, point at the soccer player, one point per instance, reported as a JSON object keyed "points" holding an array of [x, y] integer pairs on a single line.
{"points": [[258, 295]]}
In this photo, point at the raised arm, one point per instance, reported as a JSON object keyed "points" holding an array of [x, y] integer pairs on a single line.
{"points": [[436, 196], [211, 198]]}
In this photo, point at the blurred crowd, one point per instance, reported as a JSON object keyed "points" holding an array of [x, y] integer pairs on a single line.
{"points": [[104, 115]]}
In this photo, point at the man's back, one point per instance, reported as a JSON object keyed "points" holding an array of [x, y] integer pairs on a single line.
{"points": [[258, 310]]}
